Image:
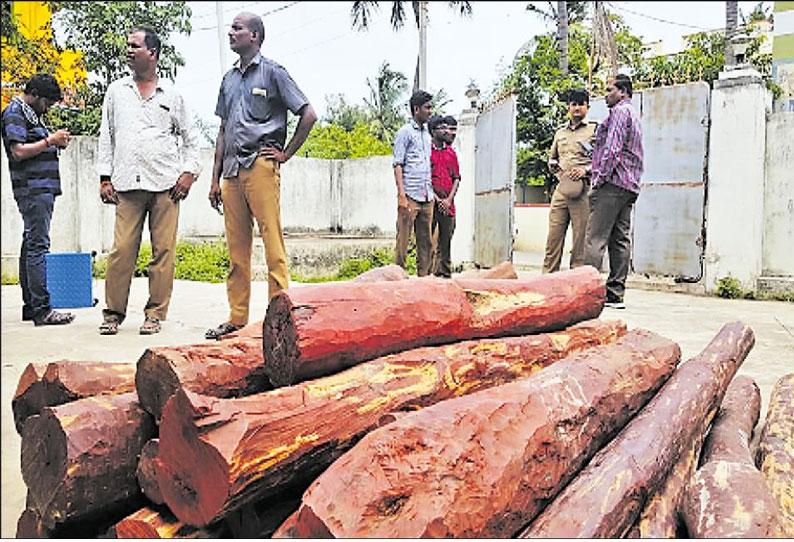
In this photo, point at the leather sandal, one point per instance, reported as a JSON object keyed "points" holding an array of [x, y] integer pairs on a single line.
{"points": [[110, 326], [150, 326], [54, 318], [218, 333]]}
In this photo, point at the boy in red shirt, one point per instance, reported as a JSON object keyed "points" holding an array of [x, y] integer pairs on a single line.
{"points": [[445, 174]]}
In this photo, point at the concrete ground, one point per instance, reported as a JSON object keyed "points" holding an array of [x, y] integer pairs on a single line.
{"points": [[690, 320]]}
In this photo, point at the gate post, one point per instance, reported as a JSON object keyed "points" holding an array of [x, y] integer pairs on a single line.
{"points": [[735, 204]]}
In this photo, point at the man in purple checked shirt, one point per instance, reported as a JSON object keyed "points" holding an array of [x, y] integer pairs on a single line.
{"points": [[615, 185]]}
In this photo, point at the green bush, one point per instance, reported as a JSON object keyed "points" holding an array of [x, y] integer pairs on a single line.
{"points": [[730, 288], [205, 262]]}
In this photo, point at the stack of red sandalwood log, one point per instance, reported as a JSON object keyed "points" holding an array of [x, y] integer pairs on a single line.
{"points": [[389, 407]]}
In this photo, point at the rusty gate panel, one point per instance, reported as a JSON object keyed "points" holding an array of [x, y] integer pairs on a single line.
{"points": [[669, 214], [494, 182], [668, 220]]}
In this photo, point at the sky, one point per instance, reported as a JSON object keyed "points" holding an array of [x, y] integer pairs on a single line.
{"points": [[314, 41]]}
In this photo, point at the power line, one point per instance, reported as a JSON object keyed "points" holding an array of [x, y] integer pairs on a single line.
{"points": [[272, 11], [620, 8]]}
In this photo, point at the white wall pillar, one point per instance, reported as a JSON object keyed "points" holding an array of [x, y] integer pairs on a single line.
{"points": [[735, 205], [463, 240]]}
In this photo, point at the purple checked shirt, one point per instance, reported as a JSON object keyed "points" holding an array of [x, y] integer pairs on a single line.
{"points": [[617, 152]]}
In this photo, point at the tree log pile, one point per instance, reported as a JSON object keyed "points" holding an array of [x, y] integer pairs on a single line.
{"points": [[392, 407]]}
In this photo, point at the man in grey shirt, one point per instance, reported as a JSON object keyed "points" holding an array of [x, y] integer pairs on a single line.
{"points": [[252, 104], [411, 161], [144, 170]]}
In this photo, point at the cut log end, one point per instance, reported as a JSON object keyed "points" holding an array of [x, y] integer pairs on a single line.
{"points": [[155, 382], [195, 481], [280, 341], [29, 397], [44, 457]]}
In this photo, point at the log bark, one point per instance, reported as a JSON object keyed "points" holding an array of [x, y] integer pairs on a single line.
{"points": [[59, 382], [236, 451], [728, 497], [29, 525], [504, 270], [145, 472], [386, 273], [79, 459], [775, 456], [661, 518], [481, 466], [226, 368], [315, 331], [606, 498]]}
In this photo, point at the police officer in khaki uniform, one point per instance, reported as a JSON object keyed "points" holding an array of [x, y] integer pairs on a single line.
{"points": [[570, 160]]}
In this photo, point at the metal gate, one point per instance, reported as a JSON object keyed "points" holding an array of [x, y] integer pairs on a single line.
{"points": [[668, 223], [494, 182]]}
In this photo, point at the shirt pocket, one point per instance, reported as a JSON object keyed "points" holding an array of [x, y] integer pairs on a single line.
{"points": [[259, 107]]}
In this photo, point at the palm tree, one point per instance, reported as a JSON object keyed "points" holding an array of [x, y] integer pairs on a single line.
{"points": [[564, 14], [731, 20], [383, 105], [361, 13]]}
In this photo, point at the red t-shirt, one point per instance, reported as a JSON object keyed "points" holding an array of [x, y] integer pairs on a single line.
{"points": [[444, 170]]}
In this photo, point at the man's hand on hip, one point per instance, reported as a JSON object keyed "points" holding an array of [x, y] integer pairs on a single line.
{"points": [[273, 153], [182, 187]]}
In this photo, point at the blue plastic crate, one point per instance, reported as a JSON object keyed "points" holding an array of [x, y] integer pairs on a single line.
{"points": [[69, 280]]}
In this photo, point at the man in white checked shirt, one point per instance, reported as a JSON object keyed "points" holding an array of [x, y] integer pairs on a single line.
{"points": [[148, 160]]}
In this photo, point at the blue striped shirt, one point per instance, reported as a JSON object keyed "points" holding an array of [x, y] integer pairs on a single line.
{"points": [[38, 174], [412, 146]]}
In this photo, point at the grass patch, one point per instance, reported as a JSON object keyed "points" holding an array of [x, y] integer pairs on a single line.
{"points": [[8, 279], [731, 288]]}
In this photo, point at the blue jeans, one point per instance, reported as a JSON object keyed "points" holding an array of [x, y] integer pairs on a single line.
{"points": [[36, 213]]}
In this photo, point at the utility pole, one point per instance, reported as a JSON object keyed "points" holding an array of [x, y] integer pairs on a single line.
{"points": [[223, 43], [423, 45]]}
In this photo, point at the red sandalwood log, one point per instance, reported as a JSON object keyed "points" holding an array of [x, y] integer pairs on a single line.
{"points": [[661, 518], [727, 497], [504, 270], [386, 273], [147, 477], [482, 465], [226, 368], [29, 525], [159, 522], [239, 450], [606, 498], [775, 456], [59, 382], [79, 459], [315, 331]]}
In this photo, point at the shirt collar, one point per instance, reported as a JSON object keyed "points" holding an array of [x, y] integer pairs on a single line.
{"points": [[254, 61], [580, 125], [162, 84], [28, 111], [416, 125]]}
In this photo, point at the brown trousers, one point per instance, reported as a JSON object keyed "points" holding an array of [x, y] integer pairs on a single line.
{"points": [[131, 211], [562, 211], [419, 218], [253, 195], [443, 230]]}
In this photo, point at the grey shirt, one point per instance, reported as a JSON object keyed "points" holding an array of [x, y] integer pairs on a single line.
{"points": [[412, 146], [254, 104]]}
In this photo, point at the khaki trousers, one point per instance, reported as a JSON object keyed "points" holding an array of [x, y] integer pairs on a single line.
{"points": [[564, 210], [443, 229], [131, 211], [253, 195], [419, 218]]}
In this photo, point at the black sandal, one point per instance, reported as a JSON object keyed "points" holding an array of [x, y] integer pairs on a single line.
{"points": [[219, 332], [54, 318]]}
